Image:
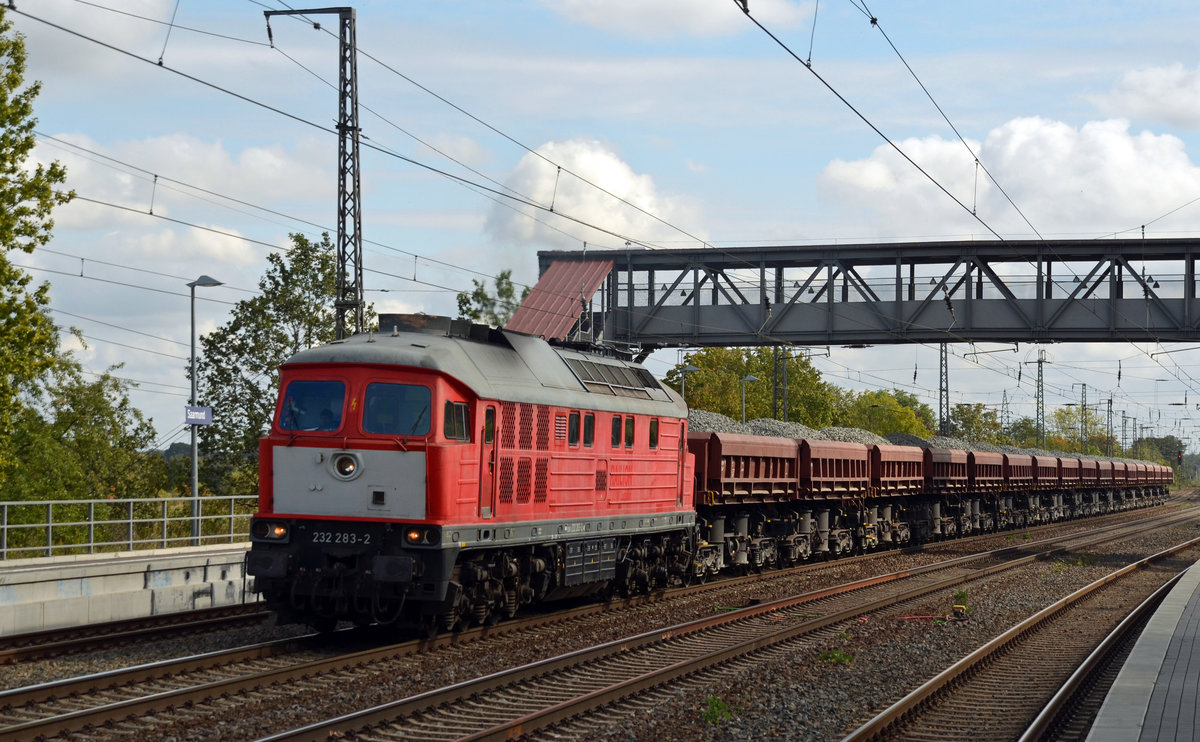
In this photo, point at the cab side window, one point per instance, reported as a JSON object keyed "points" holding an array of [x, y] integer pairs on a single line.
{"points": [[573, 429], [457, 424]]}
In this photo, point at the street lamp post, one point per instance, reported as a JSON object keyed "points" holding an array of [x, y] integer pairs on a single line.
{"points": [[205, 281], [744, 380], [683, 386]]}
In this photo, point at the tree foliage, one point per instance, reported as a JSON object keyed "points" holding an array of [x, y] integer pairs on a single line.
{"points": [[80, 438], [28, 194], [238, 369], [976, 422], [883, 412], [493, 308], [1162, 450], [717, 385], [1022, 432]]}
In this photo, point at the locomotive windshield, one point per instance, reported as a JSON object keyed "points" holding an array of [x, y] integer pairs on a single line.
{"points": [[312, 405], [396, 409]]}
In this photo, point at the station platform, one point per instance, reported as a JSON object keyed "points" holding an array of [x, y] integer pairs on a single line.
{"points": [[66, 591], [1154, 698]]}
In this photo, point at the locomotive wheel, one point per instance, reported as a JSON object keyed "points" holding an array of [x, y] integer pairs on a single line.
{"points": [[429, 627], [457, 618]]}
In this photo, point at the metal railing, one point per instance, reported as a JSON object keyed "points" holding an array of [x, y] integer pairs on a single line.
{"points": [[60, 527]]}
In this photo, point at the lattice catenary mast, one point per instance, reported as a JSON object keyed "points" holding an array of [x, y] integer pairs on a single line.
{"points": [[349, 237]]}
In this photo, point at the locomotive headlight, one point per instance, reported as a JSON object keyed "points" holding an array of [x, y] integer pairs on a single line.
{"points": [[419, 536], [269, 531], [345, 466]]}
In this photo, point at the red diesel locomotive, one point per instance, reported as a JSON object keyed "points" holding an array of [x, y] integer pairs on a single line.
{"points": [[441, 473]]}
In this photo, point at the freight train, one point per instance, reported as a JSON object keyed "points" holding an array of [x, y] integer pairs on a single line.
{"points": [[439, 474]]}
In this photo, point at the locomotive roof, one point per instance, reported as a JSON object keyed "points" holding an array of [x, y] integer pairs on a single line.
{"points": [[509, 366]]}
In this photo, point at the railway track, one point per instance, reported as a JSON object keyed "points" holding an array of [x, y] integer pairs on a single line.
{"points": [[106, 701], [63, 707], [533, 697], [1000, 686], [40, 645]]}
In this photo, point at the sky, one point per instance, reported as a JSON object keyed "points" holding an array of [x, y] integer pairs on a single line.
{"points": [[196, 147]]}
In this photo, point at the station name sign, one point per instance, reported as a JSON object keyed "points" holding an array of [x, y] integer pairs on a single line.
{"points": [[198, 415]]}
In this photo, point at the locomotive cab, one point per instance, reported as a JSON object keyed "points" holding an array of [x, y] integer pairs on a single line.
{"points": [[345, 527], [436, 478]]}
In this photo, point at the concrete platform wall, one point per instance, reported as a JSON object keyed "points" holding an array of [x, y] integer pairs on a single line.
{"points": [[60, 592]]}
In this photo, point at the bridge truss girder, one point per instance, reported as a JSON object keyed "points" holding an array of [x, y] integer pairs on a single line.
{"points": [[881, 293]]}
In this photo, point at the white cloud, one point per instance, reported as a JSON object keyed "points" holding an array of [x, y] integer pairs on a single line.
{"points": [[585, 203], [1093, 179], [1169, 94], [671, 18], [64, 54], [179, 159]]}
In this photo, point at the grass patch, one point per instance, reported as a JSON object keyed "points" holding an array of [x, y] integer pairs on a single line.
{"points": [[1083, 560], [716, 710], [836, 657]]}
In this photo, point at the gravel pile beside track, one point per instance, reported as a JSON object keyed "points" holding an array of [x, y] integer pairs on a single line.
{"points": [[780, 429], [851, 435], [906, 439], [703, 421]]}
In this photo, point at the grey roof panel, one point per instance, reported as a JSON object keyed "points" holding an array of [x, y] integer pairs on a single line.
{"points": [[526, 370]]}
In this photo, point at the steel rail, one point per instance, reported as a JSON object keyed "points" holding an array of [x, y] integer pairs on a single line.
{"points": [[56, 642], [880, 726], [75, 720], [1076, 685], [510, 682]]}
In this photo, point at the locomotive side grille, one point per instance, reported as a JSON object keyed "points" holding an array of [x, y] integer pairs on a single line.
{"points": [[505, 481], [524, 486], [602, 480], [508, 424], [541, 477], [543, 428], [526, 433]]}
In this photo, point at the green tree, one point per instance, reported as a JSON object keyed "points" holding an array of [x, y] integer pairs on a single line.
{"points": [[921, 410], [975, 422], [881, 412], [494, 309], [1023, 433], [80, 438], [28, 338], [238, 369], [1161, 450], [717, 385]]}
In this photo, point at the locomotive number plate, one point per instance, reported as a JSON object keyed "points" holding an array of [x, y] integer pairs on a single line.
{"points": [[341, 538]]}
